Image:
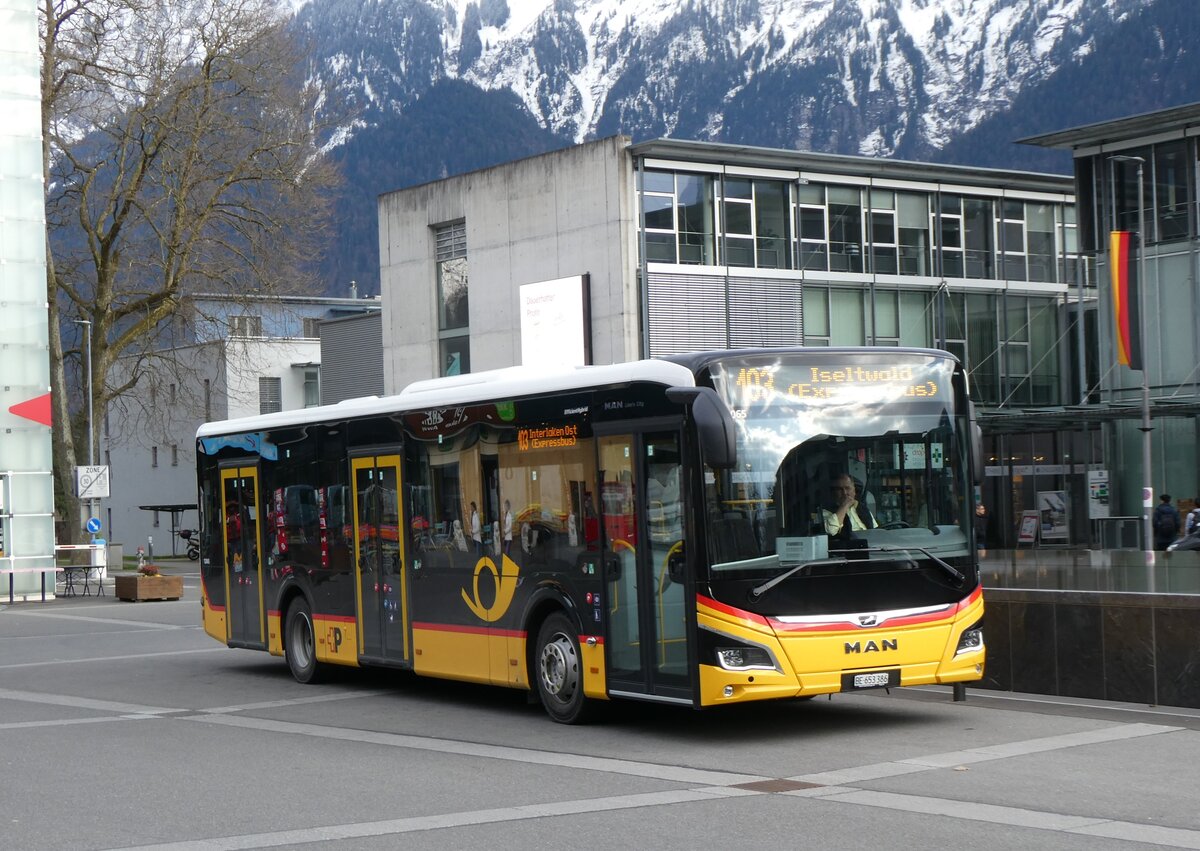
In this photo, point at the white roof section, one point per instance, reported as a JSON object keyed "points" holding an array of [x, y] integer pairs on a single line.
{"points": [[515, 382]]}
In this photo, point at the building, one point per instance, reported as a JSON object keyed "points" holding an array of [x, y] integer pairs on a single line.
{"points": [[611, 250], [223, 358], [1140, 174], [26, 477]]}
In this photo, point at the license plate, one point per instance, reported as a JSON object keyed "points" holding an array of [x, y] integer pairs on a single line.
{"points": [[871, 679]]}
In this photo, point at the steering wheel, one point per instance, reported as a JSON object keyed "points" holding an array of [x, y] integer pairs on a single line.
{"points": [[896, 524]]}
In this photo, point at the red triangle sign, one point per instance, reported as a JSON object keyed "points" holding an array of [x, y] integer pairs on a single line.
{"points": [[37, 410]]}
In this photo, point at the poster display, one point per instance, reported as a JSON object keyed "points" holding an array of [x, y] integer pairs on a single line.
{"points": [[1097, 494], [1027, 532], [1052, 506]]}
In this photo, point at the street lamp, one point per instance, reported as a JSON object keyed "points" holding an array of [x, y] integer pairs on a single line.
{"points": [[1143, 289], [86, 507]]}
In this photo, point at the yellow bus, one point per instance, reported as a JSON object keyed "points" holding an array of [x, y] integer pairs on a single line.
{"points": [[698, 530]]}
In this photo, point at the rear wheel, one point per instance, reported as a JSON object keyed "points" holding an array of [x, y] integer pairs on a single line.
{"points": [[299, 642], [559, 671]]}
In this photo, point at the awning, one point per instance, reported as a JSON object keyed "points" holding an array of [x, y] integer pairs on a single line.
{"points": [[1079, 417]]}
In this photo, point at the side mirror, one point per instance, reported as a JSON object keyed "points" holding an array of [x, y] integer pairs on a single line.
{"points": [[714, 424]]}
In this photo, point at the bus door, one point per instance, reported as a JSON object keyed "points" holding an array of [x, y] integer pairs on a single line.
{"points": [[381, 596], [650, 598], [243, 568]]}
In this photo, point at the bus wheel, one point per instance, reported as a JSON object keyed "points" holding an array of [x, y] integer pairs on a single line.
{"points": [[299, 642], [559, 673]]}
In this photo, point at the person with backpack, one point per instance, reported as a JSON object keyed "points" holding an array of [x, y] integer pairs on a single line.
{"points": [[1166, 523]]}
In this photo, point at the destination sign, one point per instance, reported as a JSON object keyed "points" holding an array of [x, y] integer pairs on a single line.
{"points": [[761, 383]]}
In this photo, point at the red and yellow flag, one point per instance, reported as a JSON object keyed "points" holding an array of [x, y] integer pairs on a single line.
{"points": [[1126, 314]]}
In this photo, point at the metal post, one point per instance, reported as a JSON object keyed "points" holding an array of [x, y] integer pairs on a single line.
{"points": [[91, 453]]}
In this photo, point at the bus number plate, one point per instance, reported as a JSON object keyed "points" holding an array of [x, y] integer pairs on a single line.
{"points": [[873, 679]]}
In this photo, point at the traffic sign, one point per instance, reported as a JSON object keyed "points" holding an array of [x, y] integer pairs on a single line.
{"points": [[91, 482], [93, 525]]}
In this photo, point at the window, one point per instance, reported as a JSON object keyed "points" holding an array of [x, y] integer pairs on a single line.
{"points": [[245, 326], [950, 242], [207, 400], [154, 459], [174, 454], [453, 315], [155, 513], [978, 223], [1171, 195], [1039, 241], [912, 219], [816, 316], [312, 386], [658, 214], [883, 232], [845, 230], [814, 241], [757, 223], [171, 393], [270, 395], [1012, 232], [311, 327]]}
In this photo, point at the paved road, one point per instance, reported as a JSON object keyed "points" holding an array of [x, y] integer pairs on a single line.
{"points": [[122, 725]]}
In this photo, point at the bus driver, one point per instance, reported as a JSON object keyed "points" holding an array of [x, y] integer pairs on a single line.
{"points": [[846, 514]]}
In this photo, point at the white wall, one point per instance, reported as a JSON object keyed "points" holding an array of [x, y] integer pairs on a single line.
{"points": [[136, 427], [553, 216]]}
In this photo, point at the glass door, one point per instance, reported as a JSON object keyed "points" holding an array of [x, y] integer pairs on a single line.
{"points": [[243, 570], [381, 596], [650, 595]]}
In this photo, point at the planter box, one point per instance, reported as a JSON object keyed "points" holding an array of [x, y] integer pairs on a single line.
{"points": [[139, 587]]}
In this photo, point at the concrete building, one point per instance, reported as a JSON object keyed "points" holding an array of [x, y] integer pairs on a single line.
{"points": [[610, 251], [1142, 174], [225, 358]]}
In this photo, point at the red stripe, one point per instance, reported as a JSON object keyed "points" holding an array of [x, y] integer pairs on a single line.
{"points": [[469, 630], [335, 618], [730, 610]]}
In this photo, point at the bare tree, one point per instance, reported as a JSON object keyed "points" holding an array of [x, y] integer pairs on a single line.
{"points": [[181, 154]]}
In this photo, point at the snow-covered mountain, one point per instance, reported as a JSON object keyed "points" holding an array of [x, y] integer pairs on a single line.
{"points": [[878, 77], [425, 88]]}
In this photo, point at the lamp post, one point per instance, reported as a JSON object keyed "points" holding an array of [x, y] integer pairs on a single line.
{"points": [[87, 337], [1143, 289]]}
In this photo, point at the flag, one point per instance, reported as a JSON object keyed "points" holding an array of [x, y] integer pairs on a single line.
{"points": [[1126, 312]]}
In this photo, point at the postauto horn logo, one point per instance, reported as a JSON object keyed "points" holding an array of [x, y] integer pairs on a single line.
{"points": [[505, 580]]}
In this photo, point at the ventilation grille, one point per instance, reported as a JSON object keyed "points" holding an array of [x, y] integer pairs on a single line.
{"points": [[693, 312]]}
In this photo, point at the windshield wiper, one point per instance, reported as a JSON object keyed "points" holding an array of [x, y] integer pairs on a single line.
{"points": [[755, 593], [950, 569]]}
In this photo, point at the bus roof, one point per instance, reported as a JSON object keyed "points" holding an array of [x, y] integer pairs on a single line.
{"points": [[499, 384]]}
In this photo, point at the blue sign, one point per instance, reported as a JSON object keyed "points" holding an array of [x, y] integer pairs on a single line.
{"points": [[93, 525]]}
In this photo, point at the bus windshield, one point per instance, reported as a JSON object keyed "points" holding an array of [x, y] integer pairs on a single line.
{"points": [[842, 458]]}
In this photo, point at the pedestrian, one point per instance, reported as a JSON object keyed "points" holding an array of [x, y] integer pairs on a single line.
{"points": [[476, 530], [1166, 522], [508, 526], [1193, 518], [981, 526]]}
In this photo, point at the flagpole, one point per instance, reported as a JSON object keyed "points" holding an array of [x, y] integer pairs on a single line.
{"points": [[1143, 288]]}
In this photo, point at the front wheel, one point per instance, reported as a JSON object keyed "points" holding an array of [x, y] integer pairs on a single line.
{"points": [[193, 552], [299, 642], [559, 671]]}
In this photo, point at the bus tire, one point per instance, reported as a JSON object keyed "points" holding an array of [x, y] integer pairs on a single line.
{"points": [[558, 671], [300, 642]]}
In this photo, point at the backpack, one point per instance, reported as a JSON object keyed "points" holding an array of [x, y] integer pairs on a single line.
{"points": [[1166, 520]]}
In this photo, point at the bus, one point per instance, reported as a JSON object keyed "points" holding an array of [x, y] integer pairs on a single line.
{"points": [[665, 530]]}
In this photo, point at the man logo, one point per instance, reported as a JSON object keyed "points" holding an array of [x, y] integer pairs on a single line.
{"points": [[872, 646], [868, 620]]}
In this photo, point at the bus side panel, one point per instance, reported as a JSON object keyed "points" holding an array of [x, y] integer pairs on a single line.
{"points": [[337, 639], [274, 632], [458, 653], [213, 618]]}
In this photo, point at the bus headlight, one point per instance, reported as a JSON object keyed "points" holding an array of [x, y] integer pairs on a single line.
{"points": [[971, 640], [744, 659]]}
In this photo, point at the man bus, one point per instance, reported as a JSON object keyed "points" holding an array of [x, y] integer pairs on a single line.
{"points": [[670, 533]]}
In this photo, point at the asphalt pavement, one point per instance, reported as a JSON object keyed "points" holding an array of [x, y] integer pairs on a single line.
{"points": [[122, 725]]}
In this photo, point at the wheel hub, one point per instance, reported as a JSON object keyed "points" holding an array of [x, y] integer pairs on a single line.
{"points": [[560, 668]]}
